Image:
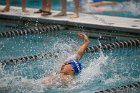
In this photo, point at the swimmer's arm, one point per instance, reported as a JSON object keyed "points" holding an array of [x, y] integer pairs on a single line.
{"points": [[83, 47], [48, 80], [53, 79]]}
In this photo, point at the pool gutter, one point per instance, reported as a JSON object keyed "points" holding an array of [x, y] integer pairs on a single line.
{"points": [[101, 22]]}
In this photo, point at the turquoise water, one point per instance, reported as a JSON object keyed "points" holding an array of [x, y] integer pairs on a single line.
{"points": [[101, 70], [130, 9]]}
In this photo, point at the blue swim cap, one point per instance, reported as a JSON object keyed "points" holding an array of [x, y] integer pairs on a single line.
{"points": [[95, 1], [76, 66]]}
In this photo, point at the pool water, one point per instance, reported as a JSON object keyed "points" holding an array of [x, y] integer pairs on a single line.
{"points": [[124, 9], [101, 70]]}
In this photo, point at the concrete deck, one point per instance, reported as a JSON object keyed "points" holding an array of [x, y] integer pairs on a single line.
{"points": [[85, 20]]}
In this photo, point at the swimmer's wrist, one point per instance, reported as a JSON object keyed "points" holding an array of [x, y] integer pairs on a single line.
{"points": [[86, 41]]}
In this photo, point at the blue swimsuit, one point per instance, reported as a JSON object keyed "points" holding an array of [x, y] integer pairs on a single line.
{"points": [[95, 1]]}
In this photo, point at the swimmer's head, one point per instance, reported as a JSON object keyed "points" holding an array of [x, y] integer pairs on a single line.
{"points": [[71, 68]]}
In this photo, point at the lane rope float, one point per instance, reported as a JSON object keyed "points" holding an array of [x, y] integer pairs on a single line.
{"points": [[29, 58], [33, 30], [128, 87], [123, 44]]}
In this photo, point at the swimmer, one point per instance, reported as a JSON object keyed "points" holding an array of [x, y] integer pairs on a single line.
{"points": [[96, 5], [63, 10], [46, 8], [7, 7], [70, 68]]}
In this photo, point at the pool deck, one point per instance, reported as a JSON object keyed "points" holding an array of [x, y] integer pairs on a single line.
{"points": [[91, 21]]}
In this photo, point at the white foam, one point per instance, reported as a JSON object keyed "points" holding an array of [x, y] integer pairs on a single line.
{"points": [[114, 79]]}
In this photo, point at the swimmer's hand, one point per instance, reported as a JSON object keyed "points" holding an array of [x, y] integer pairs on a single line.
{"points": [[84, 37]]}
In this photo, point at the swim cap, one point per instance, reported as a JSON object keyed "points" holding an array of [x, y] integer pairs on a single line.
{"points": [[95, 1], [76, 66]]}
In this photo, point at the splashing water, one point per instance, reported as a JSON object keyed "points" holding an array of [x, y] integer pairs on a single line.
{"points": [[90, 75], [20, 77], [107, 71], [94, 69]]}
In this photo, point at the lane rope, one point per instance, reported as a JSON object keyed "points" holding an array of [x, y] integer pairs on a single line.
{"points": [[109, 46], [128, 87], [25, 59], [33, 30]]}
